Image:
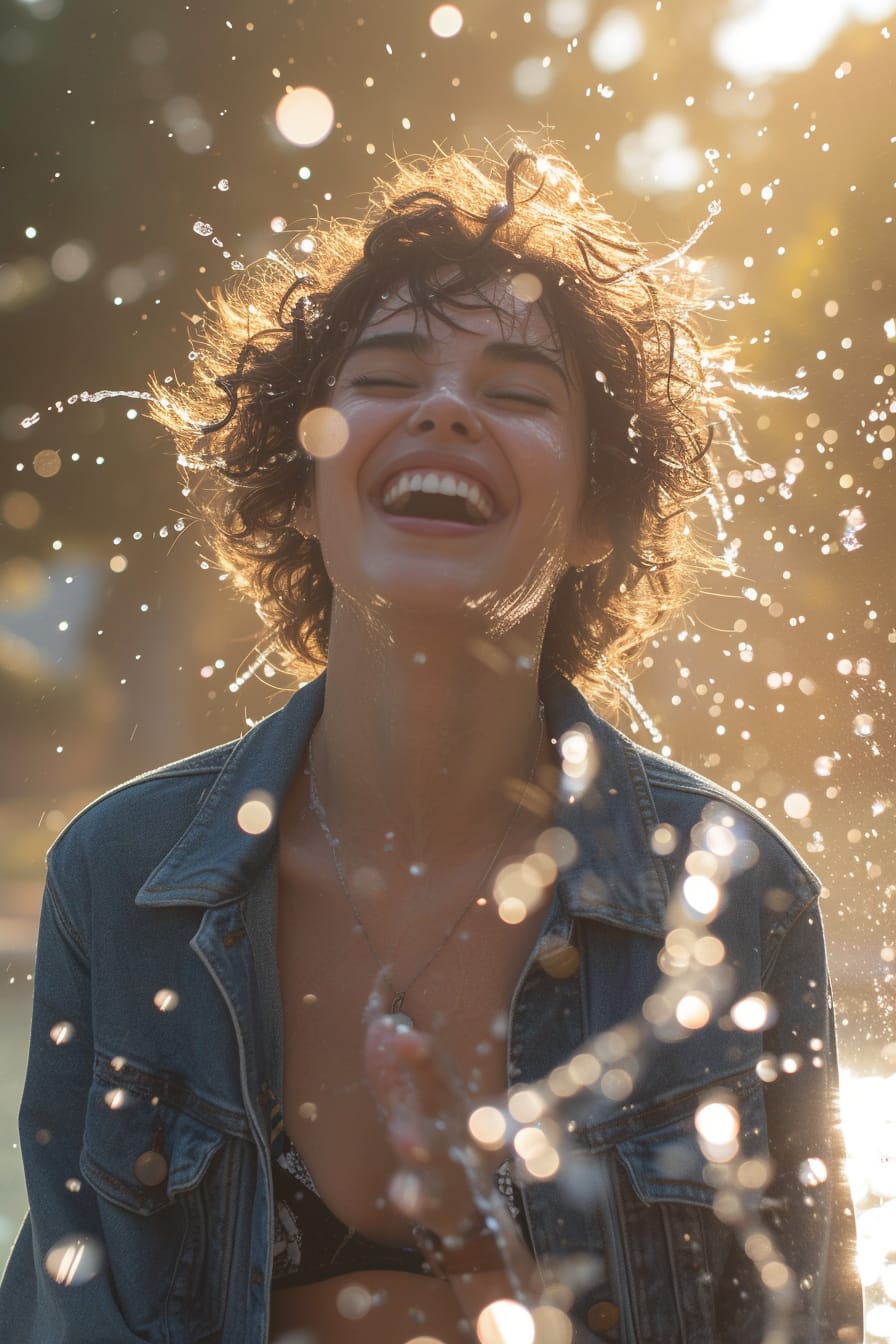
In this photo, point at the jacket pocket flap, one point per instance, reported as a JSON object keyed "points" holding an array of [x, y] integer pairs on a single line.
{"points": [[140, 1155], [667, 1164]]}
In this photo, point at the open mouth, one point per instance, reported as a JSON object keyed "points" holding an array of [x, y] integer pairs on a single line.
{"points": [[441, 496]]}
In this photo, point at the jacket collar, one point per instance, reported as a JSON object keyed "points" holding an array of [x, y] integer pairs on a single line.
{"points": [[215, 862], [615, 877]]}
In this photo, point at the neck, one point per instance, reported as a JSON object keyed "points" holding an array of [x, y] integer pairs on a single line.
{"points": [[424, 754]]}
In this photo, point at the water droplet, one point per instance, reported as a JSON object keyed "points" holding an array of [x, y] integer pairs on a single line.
{"points": [[753, 1013], [204, 230], [74, 1260], [505, 1322], [797, 806], [353, 1302], [223, 184], [701, 894], [488, 1126], [693, 1011], [813, 1172], [717, 1123]]}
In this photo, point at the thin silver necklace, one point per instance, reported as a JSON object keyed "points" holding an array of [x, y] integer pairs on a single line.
{"points": [[396, 1004]]}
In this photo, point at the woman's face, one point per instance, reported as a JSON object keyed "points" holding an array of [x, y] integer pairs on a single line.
{"points": [[459, 489]]}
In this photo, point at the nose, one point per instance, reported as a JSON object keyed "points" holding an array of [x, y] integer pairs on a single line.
{"points": [[444, 411]]}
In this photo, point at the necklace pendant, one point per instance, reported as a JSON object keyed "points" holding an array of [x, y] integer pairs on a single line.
{"points": [[400, 1018]]}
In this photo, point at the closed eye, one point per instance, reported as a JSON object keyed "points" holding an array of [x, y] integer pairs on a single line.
{"points": [[527, 398], [377, 380]]}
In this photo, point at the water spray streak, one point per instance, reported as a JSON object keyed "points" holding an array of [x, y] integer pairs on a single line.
{"points": [[205, 230], [735, 442], [726, 303], [795, 393], [713, 210], [88, 398], [626, 689]]}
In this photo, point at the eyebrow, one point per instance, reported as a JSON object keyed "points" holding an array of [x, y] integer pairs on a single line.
{"points": [[509, 352]]}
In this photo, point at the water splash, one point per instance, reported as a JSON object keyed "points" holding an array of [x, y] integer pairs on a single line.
{"points": [[623, 684], [713, 210], [264, 657], [206, 230], [87, 398], [735, 442], [795, 393], [727, 303], [854, 522]]}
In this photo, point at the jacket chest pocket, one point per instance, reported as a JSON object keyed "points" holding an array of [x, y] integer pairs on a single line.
{"points": [[675, 1224], [167, 1192]]}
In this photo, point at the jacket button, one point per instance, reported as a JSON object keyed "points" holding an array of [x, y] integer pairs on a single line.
{"points": [[257, 1276], [602, 1316], [150, 1168], [233, 937]]}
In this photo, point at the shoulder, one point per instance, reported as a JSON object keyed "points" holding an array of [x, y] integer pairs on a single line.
{"points": [[136, 823], [189, 806], [693, 805], [668, 793]]}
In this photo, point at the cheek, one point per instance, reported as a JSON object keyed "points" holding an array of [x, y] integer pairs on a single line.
{"points": [[561, 467]]}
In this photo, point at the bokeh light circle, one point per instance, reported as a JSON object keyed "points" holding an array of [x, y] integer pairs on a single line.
{"points": [[305, 116], [505, 1322], [323, 432], [74, 1260], [446, 21]]}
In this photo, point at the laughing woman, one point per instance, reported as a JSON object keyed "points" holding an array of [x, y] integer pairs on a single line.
{"points": [[408, 1016]]}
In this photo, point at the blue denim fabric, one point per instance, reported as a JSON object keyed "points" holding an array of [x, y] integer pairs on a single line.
{"points": [[147, 890]]}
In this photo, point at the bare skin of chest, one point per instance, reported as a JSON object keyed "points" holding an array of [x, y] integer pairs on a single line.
{"points": [[327, 972]]}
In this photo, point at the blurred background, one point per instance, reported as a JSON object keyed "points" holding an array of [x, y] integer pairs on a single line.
{"points": [[145, 162]]}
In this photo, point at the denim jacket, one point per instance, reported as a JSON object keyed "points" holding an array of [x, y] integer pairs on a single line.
{"points": [[144, 1120]]}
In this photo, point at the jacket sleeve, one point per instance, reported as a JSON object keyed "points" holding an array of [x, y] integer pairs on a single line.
{"points": [[808, 1203], [56, 1286]]}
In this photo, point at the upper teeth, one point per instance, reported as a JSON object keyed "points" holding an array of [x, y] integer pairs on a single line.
{"points": [[479, 500]]}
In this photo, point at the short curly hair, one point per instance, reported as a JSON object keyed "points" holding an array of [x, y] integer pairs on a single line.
{"points": [[273, 340]]}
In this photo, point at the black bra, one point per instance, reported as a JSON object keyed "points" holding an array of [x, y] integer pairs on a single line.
{"points": [[311, 1243]]}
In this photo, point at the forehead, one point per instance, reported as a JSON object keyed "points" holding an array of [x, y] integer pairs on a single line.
{"points": [[503, 308]]}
